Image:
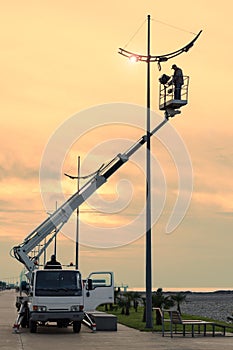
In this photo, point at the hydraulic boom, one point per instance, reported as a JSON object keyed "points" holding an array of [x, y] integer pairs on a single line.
{"points": [[53, 224]]}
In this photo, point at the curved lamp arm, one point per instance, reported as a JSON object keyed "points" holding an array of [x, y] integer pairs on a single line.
{"points": [[159, 58]]}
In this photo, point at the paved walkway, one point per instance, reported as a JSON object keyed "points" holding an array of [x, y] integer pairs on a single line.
{"points": [[125, 338]]}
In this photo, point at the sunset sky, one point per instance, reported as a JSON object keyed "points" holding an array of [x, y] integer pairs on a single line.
{"points": [[59, 59]]}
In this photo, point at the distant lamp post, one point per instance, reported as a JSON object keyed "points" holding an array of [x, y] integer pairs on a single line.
{"points": [[77, 216], [134, 57]]}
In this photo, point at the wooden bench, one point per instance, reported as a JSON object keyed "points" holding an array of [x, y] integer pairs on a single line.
{"points": [[175, 319]]}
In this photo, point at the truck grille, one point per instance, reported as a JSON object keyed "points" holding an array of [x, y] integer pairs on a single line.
{"points": [[58, 309]]}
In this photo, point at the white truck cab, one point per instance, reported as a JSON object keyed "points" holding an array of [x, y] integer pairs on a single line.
{"points": [[57, 296]]}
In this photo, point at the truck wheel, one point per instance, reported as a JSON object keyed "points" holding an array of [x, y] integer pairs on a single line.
{"points": [[76, 326], [32, 326]]}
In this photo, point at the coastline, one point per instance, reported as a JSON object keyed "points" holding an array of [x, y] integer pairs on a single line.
{"points": [[217, 304], [182, 290]]}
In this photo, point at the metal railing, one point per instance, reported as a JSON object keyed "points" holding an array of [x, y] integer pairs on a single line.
{"points": [[167, 94]]}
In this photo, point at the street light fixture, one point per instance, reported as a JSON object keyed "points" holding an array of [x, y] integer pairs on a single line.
{"points": [[148, 59], [133, 58]]}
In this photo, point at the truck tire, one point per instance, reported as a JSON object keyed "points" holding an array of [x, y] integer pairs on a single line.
{"points": [[76, 326], [32, 326]]}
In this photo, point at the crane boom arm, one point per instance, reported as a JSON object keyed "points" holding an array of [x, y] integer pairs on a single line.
{"points": [[54, 223]]}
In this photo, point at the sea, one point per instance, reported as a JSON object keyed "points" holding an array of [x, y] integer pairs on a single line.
{"points": [[204, 302]]}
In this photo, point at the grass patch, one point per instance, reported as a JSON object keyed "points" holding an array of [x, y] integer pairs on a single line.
{"points": [[134, 320]]}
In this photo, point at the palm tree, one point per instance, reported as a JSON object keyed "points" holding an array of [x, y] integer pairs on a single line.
{"points": [[144, 309], [178, 299], [136, 297], [160, 301], [123, 301], [122, 304], [129, 296]]}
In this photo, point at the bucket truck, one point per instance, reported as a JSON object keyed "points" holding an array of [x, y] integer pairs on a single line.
{"points": [[60, 295]]}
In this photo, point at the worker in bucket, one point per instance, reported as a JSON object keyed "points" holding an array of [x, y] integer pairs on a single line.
{"points": [[177, 80]]}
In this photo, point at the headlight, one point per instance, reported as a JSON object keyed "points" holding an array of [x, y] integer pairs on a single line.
{"points": [[76, 308], [39, 308]]}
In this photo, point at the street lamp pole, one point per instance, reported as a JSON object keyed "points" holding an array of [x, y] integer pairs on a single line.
{"points": [[77, 222], [77, 216], [148, 195], [135, 57], [55, 239]]}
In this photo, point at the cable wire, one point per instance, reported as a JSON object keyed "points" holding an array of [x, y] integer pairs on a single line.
{"points": [[133, 36], [86, 176], [172, 26], [156, 20]]}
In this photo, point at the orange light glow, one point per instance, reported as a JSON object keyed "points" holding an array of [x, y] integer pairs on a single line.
{"points": [[133, 59]]}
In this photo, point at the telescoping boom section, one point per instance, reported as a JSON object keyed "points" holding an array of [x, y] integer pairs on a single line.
{"points": [[53, 224]]}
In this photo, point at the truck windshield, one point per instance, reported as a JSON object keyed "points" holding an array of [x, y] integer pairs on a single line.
{"points": [[58, 283]]}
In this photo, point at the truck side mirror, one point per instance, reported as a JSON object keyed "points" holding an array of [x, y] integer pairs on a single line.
{"points": [[89, 284]]}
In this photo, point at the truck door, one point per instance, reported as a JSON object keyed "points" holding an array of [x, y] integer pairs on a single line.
{"points": [[98, 289]]}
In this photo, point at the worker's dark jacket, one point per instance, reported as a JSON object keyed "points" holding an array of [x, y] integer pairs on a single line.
{"points": [[53, 265], [178, 77]]}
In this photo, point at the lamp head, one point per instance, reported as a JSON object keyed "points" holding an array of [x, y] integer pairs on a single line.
{"points": [[133, 58], [164, 79]]}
